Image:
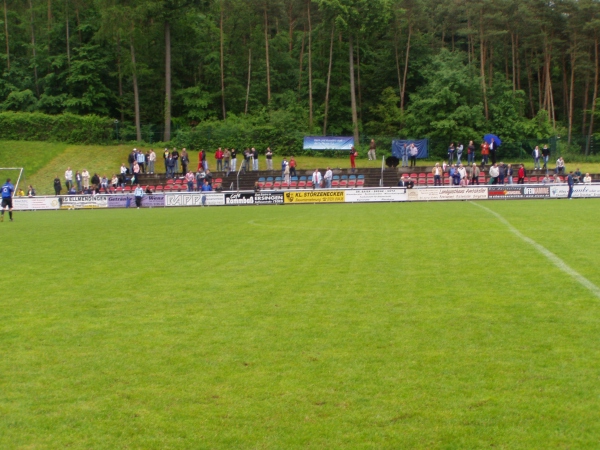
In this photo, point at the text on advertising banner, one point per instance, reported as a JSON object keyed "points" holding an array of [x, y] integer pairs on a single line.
{"points": [[376, 195], [195, 199], [83, 201], [579, 190], [268, 198], [328, 143], [35, 203], [462, 193], [316, 196], [148, 201]]}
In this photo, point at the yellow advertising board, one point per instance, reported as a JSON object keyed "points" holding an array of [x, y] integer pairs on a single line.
{"points": [[316, 196]]}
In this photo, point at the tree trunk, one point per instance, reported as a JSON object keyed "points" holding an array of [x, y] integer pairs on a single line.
{"points": [[572, 87], [586, 94], [358, 73], [222, 66], [68, 35], [482, 65], [249, 76], [267, 57], [328, 81], [78, 25], [491, 66], [301, 59], [518, 63], [35, 73], [120, 72], [6, 34], [514, 62], [565, 88], [292, 22], [310, 92], [167, 136], [136, 94], [404, 76], [49, 23], [530, 85], [397, 63], [352, 89], [594, 95]]}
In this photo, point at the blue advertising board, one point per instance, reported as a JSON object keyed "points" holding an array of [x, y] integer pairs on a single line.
{"points": [[328, 143]]}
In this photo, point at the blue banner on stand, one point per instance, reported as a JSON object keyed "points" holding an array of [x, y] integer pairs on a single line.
{"points": [[328, 143], [399, 146]]}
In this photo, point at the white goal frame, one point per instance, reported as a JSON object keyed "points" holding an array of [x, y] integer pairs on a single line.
{"points": [[20, 169]]}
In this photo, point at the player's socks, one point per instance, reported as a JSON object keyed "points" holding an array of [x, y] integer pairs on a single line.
{"points": [[10, 214]]}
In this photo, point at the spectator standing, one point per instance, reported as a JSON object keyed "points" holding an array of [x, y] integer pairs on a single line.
{"points": [[69, 178], [463, 175], [353, 155], [166, 154], [546, 156], [151, 161], [286, 174], [493, 151], [141, 160], [371, 153], [451, 151], [254, 159], [414, 151], [185, 161], [170, 166], [571, 183], [85, 175], [200, 179], [284, 165], [269, 158], [501, 173], [227, 160], [246, 162], [459, 153], [146, 161], [471, 153], [317, 179], [536, 154], [139, 195], [78, 180], [509, 174], [521, 175], [131, 159], [405, 152], [57, 186], [293, 167], [124, 169], [189, 178], [233, 159], [437, 175], [327, 178], [175, 156], [208, 177], [485, 154], [494, 174], [474, 173], [219, 159]]}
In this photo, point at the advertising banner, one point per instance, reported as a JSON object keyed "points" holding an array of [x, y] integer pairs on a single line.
{"points": [[316, 196], [27, 203], [148, 201], [268, 198], [400, 145], [195, 199], [505, 192], [376, 195], [328, 142], [579, 191], [83, 201], [239, 198], [536, 192], [458, 193]]}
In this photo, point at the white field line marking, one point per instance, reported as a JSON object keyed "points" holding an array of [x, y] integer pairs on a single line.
{"points": [[547, 253]]}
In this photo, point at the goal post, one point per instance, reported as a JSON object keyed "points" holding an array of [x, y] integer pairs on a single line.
{"points": [[12, 173]]}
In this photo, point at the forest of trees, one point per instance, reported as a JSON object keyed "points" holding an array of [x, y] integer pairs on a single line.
{"points": [[445, 69]]}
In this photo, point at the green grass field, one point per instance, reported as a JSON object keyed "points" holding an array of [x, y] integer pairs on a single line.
{"points": [[422, 325]]}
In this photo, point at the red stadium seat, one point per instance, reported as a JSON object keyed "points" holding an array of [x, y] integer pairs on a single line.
{"points": [[170, 181], [343, 183], [301, 184]]}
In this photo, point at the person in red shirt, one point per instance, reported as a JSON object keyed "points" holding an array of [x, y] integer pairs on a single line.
{"points": [[521, 175], [293, 167], [219, 158], [353, 155]]}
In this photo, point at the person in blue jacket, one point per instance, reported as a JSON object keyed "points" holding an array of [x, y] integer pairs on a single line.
{"points": [[7, 193]]}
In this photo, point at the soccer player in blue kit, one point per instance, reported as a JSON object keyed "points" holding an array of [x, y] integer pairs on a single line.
{"points": [[7, 192]]}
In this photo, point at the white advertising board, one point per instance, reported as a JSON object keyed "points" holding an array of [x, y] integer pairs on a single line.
{"points": [[194, 199], [376, 195], [448, 193], [32, 203], [579, 191]]}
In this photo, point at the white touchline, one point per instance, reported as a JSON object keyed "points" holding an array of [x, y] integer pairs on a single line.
{"points": [[547, 253]]}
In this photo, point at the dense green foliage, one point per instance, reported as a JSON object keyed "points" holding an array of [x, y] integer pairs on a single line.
{"points": [[140, 334], [438, 68]]}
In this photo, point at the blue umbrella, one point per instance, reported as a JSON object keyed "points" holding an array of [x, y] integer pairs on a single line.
{"points": [[492, 137]]}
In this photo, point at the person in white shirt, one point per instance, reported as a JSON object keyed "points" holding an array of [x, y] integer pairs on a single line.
{"points": [[85, 176], [459, 152], [316, 179], [69, 178], [494, 174], [463, 174], [151, 161], [139, 194], [587, 179], [328, 177], [536, 158]]}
